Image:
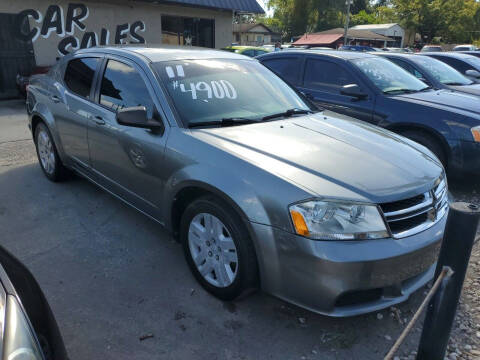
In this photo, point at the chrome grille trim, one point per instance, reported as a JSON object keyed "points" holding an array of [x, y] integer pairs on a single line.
{"points": [[420, 216], [426, 203]]}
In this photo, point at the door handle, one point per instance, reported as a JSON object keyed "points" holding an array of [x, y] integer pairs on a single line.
{"points": [[99, 120], [55, 98]]}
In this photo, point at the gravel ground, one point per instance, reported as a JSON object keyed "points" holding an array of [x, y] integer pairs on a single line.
{"points": [[101, 265]]}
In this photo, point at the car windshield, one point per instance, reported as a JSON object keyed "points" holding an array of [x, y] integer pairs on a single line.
{"points": [[388, 77], [442, 72], [216, 89]]}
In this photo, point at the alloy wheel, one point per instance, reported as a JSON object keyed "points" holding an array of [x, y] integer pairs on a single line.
{"points": [[46, 152]]}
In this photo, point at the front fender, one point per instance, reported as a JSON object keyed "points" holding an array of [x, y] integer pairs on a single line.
{"points": [[240, 195]]}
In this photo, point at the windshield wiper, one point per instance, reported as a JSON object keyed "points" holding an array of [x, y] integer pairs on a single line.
{"points": [[224, 122], [288, 113], [405, 91], [453, 83]]}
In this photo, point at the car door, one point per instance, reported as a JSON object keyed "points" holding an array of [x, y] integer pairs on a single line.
{"points": [[322, 81], [72, 105], [127, 160]]}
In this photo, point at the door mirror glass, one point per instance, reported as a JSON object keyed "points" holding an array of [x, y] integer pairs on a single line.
{"points": [[137, 116], [353, 90], [473, 73]]}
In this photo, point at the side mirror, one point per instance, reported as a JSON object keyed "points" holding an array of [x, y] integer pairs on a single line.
{"points": [[353, 90], [137, 116], [473, 73]]}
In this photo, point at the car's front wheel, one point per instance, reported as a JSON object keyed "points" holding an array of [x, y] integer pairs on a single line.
{"points": [[218, 248], [47, 154]]}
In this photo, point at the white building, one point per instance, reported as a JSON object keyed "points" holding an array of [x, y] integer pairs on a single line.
{"points": [[393, 31]]}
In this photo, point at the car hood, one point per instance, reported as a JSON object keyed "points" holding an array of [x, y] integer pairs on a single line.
{"points": [[332, 155], [445, 99], [473, 89]]}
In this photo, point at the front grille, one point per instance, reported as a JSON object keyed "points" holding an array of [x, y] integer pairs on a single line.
{"points": [[410, 216]]}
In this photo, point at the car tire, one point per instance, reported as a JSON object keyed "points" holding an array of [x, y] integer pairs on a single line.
{"points": [[429, 142], [218, 249], [47, 154]]}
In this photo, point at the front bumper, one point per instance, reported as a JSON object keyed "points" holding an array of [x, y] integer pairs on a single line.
{"points": [[471, 156], [345, 278], [469, 160]]}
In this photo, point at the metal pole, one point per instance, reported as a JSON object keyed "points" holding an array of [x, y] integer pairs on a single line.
{"points": [[460, 231], [347, 21]]}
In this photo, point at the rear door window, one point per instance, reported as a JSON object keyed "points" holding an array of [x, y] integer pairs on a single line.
{"points": [[122, 87], [79, 75], [326, 75], [455, 63], [408, 67], [287, 67]]}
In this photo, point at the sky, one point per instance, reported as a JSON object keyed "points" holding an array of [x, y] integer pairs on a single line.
{"points": [[263, 4]]}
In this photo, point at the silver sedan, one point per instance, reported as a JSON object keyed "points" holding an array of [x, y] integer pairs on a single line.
{"points": [[262, 189]]}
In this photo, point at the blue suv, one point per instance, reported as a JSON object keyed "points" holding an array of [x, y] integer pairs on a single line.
{"points": [[375, 90]]}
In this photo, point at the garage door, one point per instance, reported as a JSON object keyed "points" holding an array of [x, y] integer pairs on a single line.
{"points": [[16, 56]]}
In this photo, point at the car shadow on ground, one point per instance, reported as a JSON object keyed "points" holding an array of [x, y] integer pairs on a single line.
{"points": [[113, 276]]}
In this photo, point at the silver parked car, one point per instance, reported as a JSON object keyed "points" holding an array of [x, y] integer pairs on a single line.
{"points": [[262, 189]]}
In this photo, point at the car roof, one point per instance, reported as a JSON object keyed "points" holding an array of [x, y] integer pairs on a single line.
{"points": [[156, 53], [242, 47], [412, 57], [345, 55], [456, 55], [393, 54]]}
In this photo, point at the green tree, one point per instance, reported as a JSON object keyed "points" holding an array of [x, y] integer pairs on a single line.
{"points": [[362, 18], [296, 17], [359, 5], [452, 20]]}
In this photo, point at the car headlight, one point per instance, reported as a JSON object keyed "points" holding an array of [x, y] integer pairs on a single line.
{"points": [[338, 220], [476, 133], [19, 342]]}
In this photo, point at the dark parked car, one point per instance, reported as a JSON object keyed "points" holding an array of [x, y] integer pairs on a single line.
{"points": [[29, 330], [434, 72], [356, 48], [432, 48], [23, 78], [475, 53], [466, 64], [468, 47], [373, 89]]}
